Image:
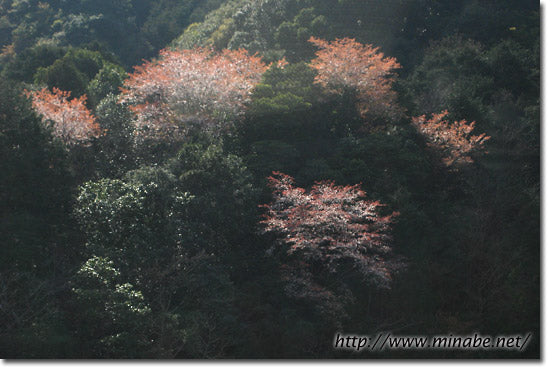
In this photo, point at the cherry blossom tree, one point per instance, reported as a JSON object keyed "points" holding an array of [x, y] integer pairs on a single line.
{"points": [[71, 120], [331, 225], [191, 84], [345, 64], [453, 140]]}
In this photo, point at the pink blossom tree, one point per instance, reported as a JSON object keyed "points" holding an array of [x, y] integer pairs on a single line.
{"points": [[186, 84], [345, 64], [71, 120], [453, 140], [331, 225]]}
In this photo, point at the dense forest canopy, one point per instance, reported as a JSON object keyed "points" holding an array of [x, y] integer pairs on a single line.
{"points": [[245, 178]]}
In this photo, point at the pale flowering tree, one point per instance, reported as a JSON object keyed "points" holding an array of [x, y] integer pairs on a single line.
{"points": [[333, 227], [345, 64], [191, 84], [71, 120], [453, 140]]}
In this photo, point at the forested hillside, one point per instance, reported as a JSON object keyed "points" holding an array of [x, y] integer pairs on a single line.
{"points": [[248, 178]]}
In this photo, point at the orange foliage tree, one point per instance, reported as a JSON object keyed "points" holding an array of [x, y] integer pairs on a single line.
{"points": [[186, 84], [71, 120], [332, 225], [453, 140], [345, 64]]}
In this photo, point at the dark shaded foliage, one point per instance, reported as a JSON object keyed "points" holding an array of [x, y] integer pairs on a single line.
{"points": [[135, 247]]}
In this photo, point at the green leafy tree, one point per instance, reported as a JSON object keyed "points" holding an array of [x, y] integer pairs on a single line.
{"points": [[165, 229], [115, 148], [107, 81], [72, 72], [110, 316], [26, 63], [224, 196]]}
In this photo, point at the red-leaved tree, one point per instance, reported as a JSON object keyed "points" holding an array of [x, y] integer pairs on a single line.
{"points": [[345, 64], [453, 140], [331, 225], [186, 84], [71, 120]]}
